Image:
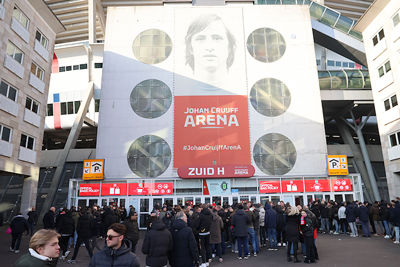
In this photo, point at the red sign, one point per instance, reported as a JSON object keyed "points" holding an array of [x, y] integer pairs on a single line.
{"points": [[216, 171], [317, 185], [292, 186], [341, 185], [117, 189], [163, 189], [137, 189], [89, 190], [270, 186]]}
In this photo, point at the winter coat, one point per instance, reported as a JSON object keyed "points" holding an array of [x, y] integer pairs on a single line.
{"points": [[66, 225], [132, 230], [250, 214], [85, 227], [324, 211], [363, 214], [195, 221], [351, 213], [32, 217], [109, 217], [75, 216], [385, 213], [307, 227], [256, 222], [375, 212], [270, 216], [215, 229], [204, 222], [122, 257], [185, 252], [157, 245], [28, 260], [280, 219], [49, 220], [168, 220], [262, 216], [240, 222], [342, 212], [292, 228], [19, 225], [396, 214]]}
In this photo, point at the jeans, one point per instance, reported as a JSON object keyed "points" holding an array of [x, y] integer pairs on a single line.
{"points": [[325, 225], [343, 225], [31, 228], [217, 249], [336, 223], [223, 239], [263, 236], [365, 228], [64, 243], [378, 227], [397, 232], [205, 249], [78, 244], [272, 237], [353, 228], [292, 248], [253, 240], [243, 241], [16, 240], [387, 229]]}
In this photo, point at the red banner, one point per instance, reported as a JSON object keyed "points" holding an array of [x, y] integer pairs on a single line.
{"points": [[137, 189], [341, 185], [117, 189], [216, 171], [89, 190], [163, 189], [317, 185], [270, 186], [292, 186]]}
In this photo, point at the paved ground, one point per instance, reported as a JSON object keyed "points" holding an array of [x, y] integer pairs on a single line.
{"points": [[333, 251]]}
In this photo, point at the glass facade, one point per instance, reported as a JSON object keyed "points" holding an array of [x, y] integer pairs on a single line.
{"points": [[152, 46], [266, 45], [344, 79]]}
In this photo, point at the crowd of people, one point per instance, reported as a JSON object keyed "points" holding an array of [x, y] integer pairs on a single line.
{"points": [[200, 234]]}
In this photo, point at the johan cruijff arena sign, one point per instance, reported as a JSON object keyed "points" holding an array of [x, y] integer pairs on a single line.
{"points": [[210, 92]]}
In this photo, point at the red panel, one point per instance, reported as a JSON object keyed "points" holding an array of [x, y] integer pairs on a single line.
{"points": [[317, 185], [54, 66], [270, 186], [137, 189], [205, 188], [57, 115], [163, 189], [89, 190], [341, 185], [117, 189], [292, 186]]}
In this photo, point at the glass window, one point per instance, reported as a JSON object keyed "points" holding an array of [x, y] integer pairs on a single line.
{"points": [[318, 62], [151, 98], [83, 66], [75, 67], [393, 99], [387, 104], [49, 109], [98, 65], [68, 68], [152, 46], [351, 65], [30, 143], [345, 64], [338, 63], [32, 105], [8, 91], [96, 105], [396, 20], [381, 71], [393, 140], [274, 154], [42, 39], [77, 104], [5, 133], [15, 53], [63, 108], [375, 40], [270, 97], [266, 45], [149, 156], [387, 67], [70, 107], [381, 34], [20, 17], [37, 71], [23, 140], [61, 69], [35, 107], [28, 103], [331, 63]]}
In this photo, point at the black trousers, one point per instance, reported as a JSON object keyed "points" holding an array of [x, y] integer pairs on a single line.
{"points": [[16, 240], [281, 236], [310, 252], [295, 247], [263, 236], [205, 248], [79, 242], [64, 243]]}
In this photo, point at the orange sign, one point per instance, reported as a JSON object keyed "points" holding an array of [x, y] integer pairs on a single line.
{"points": [[93, 169], [337, 165], [211, 131]]}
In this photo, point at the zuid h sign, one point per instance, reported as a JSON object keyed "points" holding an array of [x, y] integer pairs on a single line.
{"points": [[216, 171]]}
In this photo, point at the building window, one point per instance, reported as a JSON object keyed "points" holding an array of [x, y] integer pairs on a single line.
{"points": [[5, 133], [331, 63], [63, 108], [49, 110], [20, 17], [377, 38], [96, 105], [338, 63], [83, 66], [98, 65], [318, 62], [351, 65], [37, 71], [27, 141], [8, 91], [382, 70], [396, 20], [71, 107], [394, 139], [75, 67], [42, 39], [68, 68], [32, 105], [390, 102], [345, 64], [15, 53], [61, 69]]}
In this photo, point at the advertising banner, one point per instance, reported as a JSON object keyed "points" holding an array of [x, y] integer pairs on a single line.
{"points": [[216, 171], [217, 187], [163, 189], [117, 189], [292, 186], [269, 187], [317, 185], [341, 185], [89, 190], [138, 189], [337, 165]]}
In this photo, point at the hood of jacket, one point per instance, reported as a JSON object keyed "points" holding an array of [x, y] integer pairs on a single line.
{"points": [[158, 225], [206, 211], [178, 224]]}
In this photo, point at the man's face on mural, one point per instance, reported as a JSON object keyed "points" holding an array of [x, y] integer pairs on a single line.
{"points": [[210, 47]]}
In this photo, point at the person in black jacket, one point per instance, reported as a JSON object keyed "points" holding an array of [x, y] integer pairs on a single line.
{"points": [[240, 223], [195, 219], [203, 228], [184, 253], [292, 231], [84, 229], [116, 253], [364, 219], [132, 230], [49, 221], [157, 245], [66, 228], [18, 226], [280, 226], [351, 215], [307, 230], [32, 220]]}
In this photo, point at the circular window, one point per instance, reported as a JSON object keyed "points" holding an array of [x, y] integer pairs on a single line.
{"points": [[274, 154], [270, 97], [149, 156], [151, 99], [152, 46], [266, 45]]}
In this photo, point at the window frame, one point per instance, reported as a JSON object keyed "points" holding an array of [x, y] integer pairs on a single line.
{"points": [[2, 126], [27, 141], [49, 109], [390, 102], [384, 69], [9, 86], [15, 48], [18, 18], [42, 37], [393, 22], [37, 70], [377, 37], [31, 106]]}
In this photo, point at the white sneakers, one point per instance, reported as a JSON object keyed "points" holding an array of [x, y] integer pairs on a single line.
{"points": [[17, 251], [396, 242], [387, 237]]}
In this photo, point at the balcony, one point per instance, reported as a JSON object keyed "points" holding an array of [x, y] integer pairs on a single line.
{"points": [[379, 48], [14, 66], [36, 83], [384, 81], [20, 30], [42, 51], [394, 153], [27, 155], [32, 118], [8, 105], [391, 115], [6, 148], [2, 12]]}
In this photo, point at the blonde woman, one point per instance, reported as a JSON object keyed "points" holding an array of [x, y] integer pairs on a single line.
{"points": [[292, 231]]}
